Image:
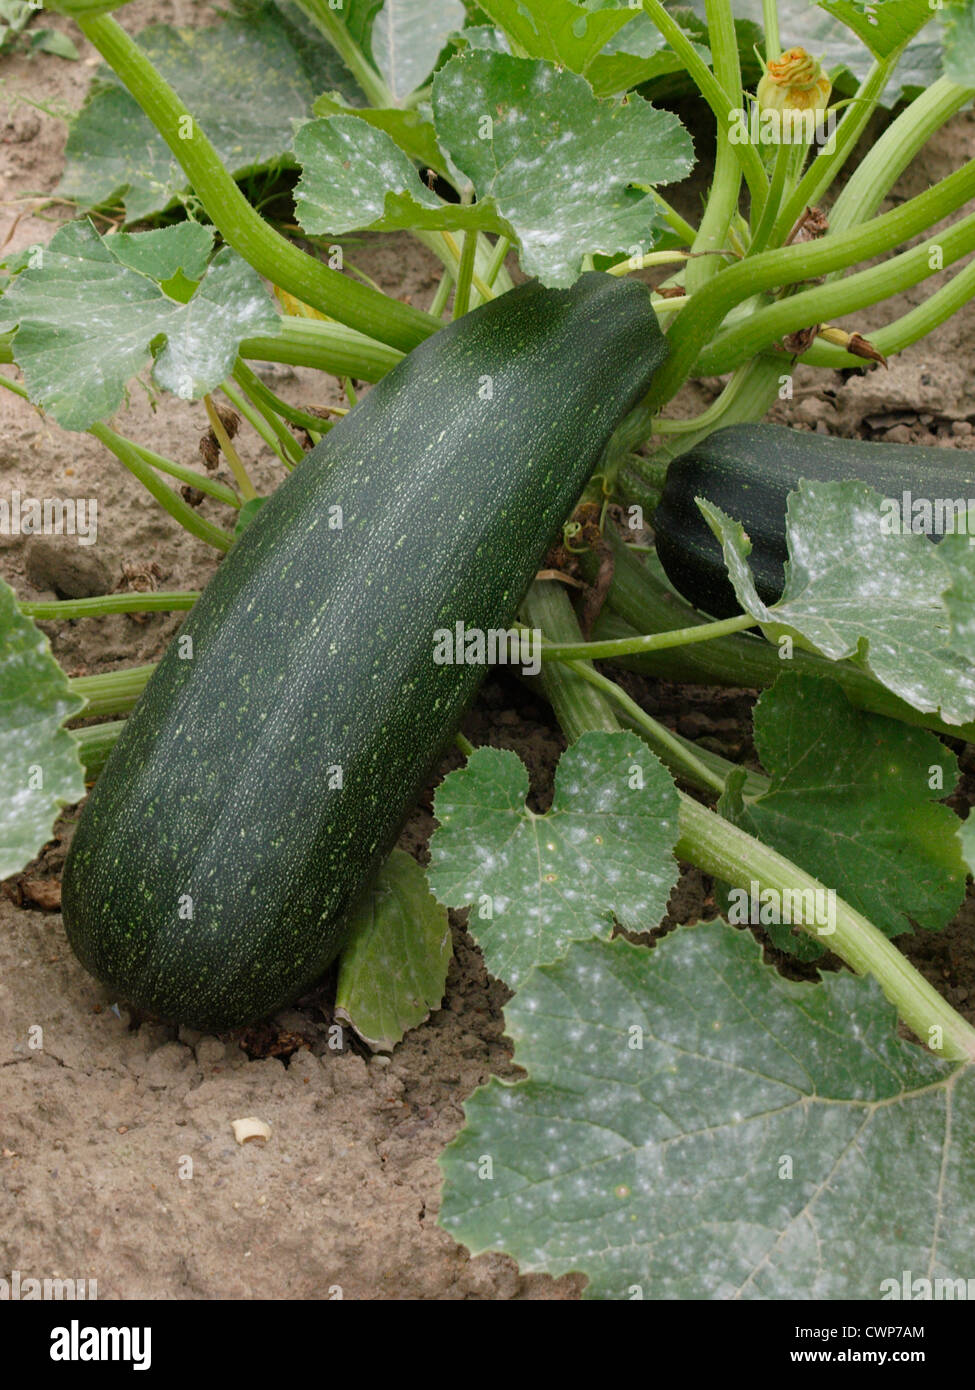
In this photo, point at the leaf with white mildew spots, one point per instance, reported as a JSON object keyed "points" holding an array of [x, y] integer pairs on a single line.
{"points": [[245, 80], [537, 883], [958, 553], [855, 588], [559, 30], [694, 1126], [407, 36], [39, 766], [354, 175], [959, 41], [570, 173], [560, 174], [91, 316]]}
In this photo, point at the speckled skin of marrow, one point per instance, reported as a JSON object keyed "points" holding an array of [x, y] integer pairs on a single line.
{"points": [[281, 742]]}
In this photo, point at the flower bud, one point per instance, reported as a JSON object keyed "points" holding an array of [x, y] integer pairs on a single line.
{"points": [[795, 80], [793, 95]]}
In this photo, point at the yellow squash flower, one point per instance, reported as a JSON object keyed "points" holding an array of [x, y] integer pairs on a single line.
{"points": [[795, 81]]}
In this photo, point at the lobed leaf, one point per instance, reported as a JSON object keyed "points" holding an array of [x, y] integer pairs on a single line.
{"points": [[40, 770], [695, 1126], [537, 883], [855, 589], [855, 800]]}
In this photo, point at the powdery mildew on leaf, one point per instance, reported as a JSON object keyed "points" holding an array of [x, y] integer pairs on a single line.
{"points": [[855, 589], [567, 171], [87, 320], [40, 770], [536, 883], [695, 1126]]}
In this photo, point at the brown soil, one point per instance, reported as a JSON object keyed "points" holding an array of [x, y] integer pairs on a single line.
{"points": [[97, 1127]]}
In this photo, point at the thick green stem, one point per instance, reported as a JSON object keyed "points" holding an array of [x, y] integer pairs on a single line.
{"points": [[111, 692], [271, 254], [723, 106], [95, 744], [726, 852], [886, 160], [773, 202], [722, 201], [158, 601], [546, 608], [788, 265], [327, 347], [824, 303], [501, 248], [465, 270], [909, 328]]}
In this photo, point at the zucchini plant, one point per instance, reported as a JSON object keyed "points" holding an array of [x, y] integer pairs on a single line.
{"points": [[220, 862]]}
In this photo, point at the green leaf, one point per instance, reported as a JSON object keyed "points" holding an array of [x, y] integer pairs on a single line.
{"points": [[958, 553], [640, 53], [247, 514], [483, 36], [851, 800], [50, 41], [695, 1126], [354, 176], [394, 969], [567, 171], [558, 30], [407, 129], [16, 14], [245, 81], [164, 253], [854, 588], [88, 321], [40, 770], [407, 37], [968, 842], [882, 26], [959, 41], [537, 883]]}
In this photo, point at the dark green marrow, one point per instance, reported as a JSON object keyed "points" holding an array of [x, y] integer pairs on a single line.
{"points": [[280, 744], [749, 470]]}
